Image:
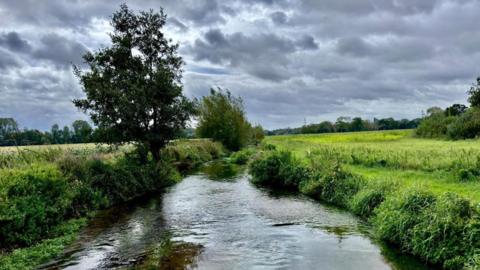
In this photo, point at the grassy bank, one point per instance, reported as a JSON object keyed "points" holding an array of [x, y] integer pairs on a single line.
{"points": [[45, 192], [421, 195]]}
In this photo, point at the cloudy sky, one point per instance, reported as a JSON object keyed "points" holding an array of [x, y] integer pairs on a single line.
{"points": [[289, 60]]}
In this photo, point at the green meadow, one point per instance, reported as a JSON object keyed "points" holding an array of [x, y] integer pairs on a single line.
{"points": [[397, 156]]}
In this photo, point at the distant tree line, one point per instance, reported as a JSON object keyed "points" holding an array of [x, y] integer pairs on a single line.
{"points": [[11, 135], [455, 122], [347, 124]]}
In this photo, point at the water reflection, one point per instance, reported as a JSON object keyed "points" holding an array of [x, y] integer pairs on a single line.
{"points": [[221, 170], [170, 255], [217, 220]]}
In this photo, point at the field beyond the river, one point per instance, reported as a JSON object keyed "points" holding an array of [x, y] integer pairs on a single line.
{"points": [[397, 156]]}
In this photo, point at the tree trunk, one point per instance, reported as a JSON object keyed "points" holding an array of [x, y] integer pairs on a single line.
{"points": [[155, 150]]}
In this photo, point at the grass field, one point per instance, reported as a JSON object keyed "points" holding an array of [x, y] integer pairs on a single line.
{"points": [[397, 156], [9, 149]]}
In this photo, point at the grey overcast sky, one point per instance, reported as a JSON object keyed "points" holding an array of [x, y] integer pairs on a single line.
{"points": [[289, 60]]}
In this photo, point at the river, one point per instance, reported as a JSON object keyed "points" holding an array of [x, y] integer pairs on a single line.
{"points": [[216, 219]]}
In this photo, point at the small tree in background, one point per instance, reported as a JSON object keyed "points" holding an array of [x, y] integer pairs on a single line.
{"points": [[133, 88], [82, 131], [257, 134], [8, 128], [474, 93], [221, 117], [456, 110], [357, 124]]}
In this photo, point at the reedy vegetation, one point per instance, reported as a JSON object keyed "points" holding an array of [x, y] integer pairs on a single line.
{"points": [[438, 226]]}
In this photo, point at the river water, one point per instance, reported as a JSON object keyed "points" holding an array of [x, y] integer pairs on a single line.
{"points": [[217, 220]]}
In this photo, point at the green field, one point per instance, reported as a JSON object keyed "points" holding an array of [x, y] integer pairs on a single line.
{"points": [[397, 156]]}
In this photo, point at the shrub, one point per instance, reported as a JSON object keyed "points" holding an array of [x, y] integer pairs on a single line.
{"points": [[466, 126], [46, 250], [395, 218], [339, 186], [435, 125], [442, 236], [38, 199], [242, 156], [312, 187], [187, 156], [441, 230], [329, 181], [268, 146], [369, 198], [278, 169]]}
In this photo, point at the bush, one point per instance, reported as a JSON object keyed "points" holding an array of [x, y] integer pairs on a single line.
{"points": [[466, 126], [268, 147], [46, 250], [369, 198], [441, 230], [395, 218], [241, 157], [38, 199], [278, 169], [187, 156], [339, 186], [442, 234], [330, 182], [435, 125]]}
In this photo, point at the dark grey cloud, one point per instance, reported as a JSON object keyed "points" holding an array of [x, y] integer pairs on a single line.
{"points": [[389, 50], [8, 60], [289, 60], [307, 42], [279, 17], [204, 12], [353, 46], [60, 50], [265, 55], [14, 42]]}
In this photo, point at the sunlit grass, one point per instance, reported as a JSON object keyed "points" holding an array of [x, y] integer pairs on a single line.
{"points": [[9, 149], [395, 156]]}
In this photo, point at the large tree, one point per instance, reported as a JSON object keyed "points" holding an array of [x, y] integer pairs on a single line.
{"points": [[133, 88]]}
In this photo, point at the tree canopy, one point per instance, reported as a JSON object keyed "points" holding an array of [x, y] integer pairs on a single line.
{"points": [[133, 88]]}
